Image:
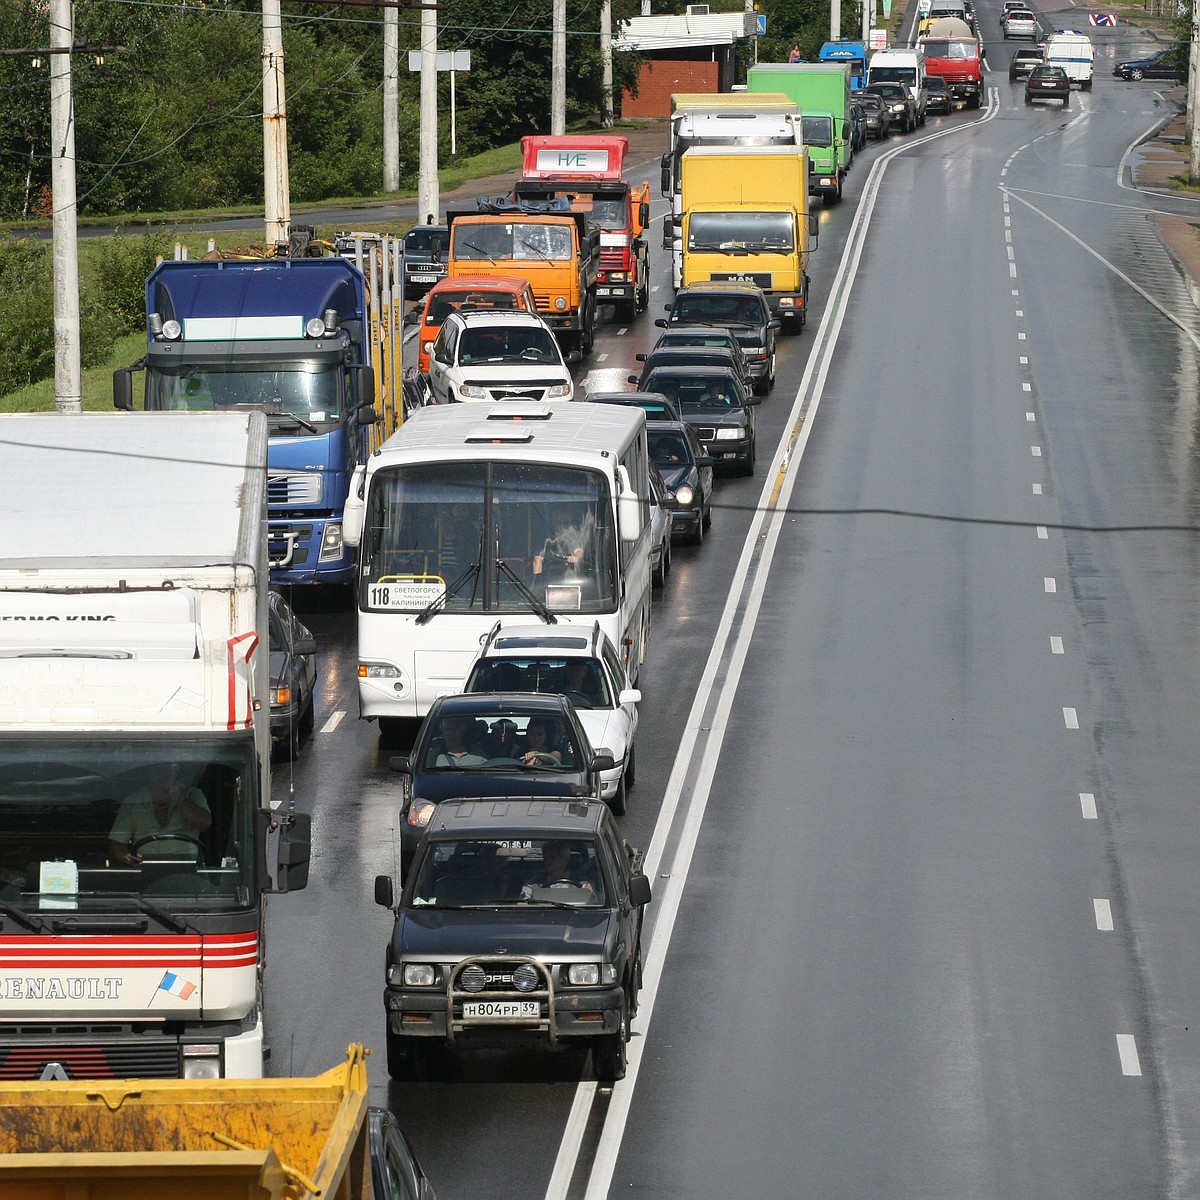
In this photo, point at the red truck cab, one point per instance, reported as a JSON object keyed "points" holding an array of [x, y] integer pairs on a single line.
{"points": [[586, 170], [952, 51]]}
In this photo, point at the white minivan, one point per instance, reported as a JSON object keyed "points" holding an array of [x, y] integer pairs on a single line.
{"points": [[904, 65], [1071, 50]]}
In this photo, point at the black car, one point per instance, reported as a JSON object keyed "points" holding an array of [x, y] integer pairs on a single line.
{"points": [[687, 473], [495, 744], [701, 335], [858, 126], [714, 403], [426, 248], [879, 120], [739, 307], [1048, 83], [293, 667], [901, 107], [1023, 61], [694, 356], [655, 405], [937, 95], [1162, 64], [520, 920]]}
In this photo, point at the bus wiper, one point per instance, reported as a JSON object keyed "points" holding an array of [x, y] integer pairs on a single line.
{"points": [[432, 609], [33, 924], [533, 602]]}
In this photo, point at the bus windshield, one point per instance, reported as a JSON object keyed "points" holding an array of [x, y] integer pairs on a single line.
{"points": [[488, 537], [111, 825]]}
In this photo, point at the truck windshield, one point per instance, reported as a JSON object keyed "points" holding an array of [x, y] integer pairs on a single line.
{"points": [[104, 825], [957, 48], [488, 537], [818, 131], [281, 389], [755, 232]]}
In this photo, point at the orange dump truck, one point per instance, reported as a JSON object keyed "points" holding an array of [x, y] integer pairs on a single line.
{"points": [[556, 249], [587, 170], [200, 1139]]}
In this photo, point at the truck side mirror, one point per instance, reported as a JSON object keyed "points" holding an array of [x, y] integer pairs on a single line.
{"points": [[293, 852], [384, 894], [668, 232], [123, 389], [665, 182], [366, 387], [355, 507], [644, 213]]}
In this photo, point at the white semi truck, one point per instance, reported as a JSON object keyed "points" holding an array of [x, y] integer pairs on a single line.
{"points": [[135, 810]]}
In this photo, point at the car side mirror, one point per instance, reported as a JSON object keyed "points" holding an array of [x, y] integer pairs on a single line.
{"points": [[639, 890], [752, 400], [630, 696], [631, 379], [603, 762], [305, 645], [660, 323], [400, 763], [705, 460], [774, 323], [384, 893], [640, 357]]}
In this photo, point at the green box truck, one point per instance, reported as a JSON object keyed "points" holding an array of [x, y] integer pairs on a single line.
{"points": [[822, 92]]}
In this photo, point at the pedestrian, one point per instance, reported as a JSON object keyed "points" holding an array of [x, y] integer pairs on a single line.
{"points": [[794, 54]]}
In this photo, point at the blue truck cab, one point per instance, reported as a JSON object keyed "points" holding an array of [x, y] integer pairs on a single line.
{"points": [[853, 53], [288, 337]]}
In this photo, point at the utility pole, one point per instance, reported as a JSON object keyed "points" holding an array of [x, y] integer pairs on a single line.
{"points": [[558, 69], [606, 85], [428, 200], [68, 376], [1193, 95], [277, 197], [835, 20], [391, 99]]}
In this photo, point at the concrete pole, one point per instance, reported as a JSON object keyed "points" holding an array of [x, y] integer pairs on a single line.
{"points": [[868, 12], [428, 200], [835, 20], [276, 182], [391, 99], [606, 85], [68, 378], [1193, 97], [558, 69]]}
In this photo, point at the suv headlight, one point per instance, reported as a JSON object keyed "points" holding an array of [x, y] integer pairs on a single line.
{"points": [[730, 435], [472, 391], [558, 391], [419, 812], [418, 975], [583, 974]]}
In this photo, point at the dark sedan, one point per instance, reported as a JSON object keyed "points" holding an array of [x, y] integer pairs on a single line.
{"points": [[901, 107], [1048, 83], [937, 95], [495, 744], [879, 120], [293, 659], [694, 356], [1023, 61], [1162, 64], [716, 405], [687, 473]]}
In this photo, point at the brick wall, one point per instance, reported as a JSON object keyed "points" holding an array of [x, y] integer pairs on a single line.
{"points": [[660, 79]]}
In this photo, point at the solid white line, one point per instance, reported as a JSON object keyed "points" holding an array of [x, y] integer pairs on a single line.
{"points": [[1087, 803], [335, 719], [577, 1119], [1127, 1049], [1070, 718], [1104, 921], [1056, 645], [777, 490], [1051, 586]]}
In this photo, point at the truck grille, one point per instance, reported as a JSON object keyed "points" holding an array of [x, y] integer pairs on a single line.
{"points": [[612, 258], [156, 1058], [761, 278], [285, 488]]}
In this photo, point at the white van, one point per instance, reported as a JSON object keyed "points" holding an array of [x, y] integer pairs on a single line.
{"points": [[904, 65], [1071, 50]]}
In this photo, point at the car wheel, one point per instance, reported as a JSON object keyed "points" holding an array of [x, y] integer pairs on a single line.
{"points": [[708, 511], [697, 538], [659, 575], [610, 1055], [617, 803], [1137, 73], [408, 1059], [630, 768], [308, 719], [747, 468]]}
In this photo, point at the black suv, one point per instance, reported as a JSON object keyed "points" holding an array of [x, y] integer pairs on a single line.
{"points": [[695, 356], [485, 745], [426, 248], [520, 918], [740, 307]]}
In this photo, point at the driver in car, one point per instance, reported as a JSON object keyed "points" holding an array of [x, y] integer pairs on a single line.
{"points": [[557, 869], [169, 814]]}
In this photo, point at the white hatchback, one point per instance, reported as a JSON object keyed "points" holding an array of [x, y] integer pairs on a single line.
{"points": [[581, 664], [486, 356]]}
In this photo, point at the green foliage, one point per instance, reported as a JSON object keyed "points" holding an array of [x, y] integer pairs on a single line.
{"points": [[119, 269], [27, 316]]}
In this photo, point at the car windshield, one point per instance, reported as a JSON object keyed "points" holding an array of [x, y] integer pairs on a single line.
{"points": [[668, 448], [426, 243], [485, 872], [581, 680], [519, 343], [718, 309], [697, 391], [499, 741]]}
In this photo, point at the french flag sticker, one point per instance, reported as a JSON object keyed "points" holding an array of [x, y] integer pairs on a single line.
{"points": [[176, 985]]}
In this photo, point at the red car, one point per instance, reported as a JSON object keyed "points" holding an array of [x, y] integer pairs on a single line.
{"points": [[1048, 83]]}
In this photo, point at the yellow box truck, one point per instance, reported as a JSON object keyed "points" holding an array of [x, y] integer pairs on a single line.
{"points": [[746, 218]]}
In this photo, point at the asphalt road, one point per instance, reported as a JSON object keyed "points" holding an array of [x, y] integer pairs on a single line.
{"points": [[917, 760]]}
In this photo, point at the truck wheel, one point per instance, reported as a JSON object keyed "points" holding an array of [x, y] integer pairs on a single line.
{"points": [[610, 1055], [643, 290], [407, 1058]]}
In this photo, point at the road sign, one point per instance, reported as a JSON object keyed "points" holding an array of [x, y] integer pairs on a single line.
{"points": [[447, 60], [760, 24], [1104, 20]]}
